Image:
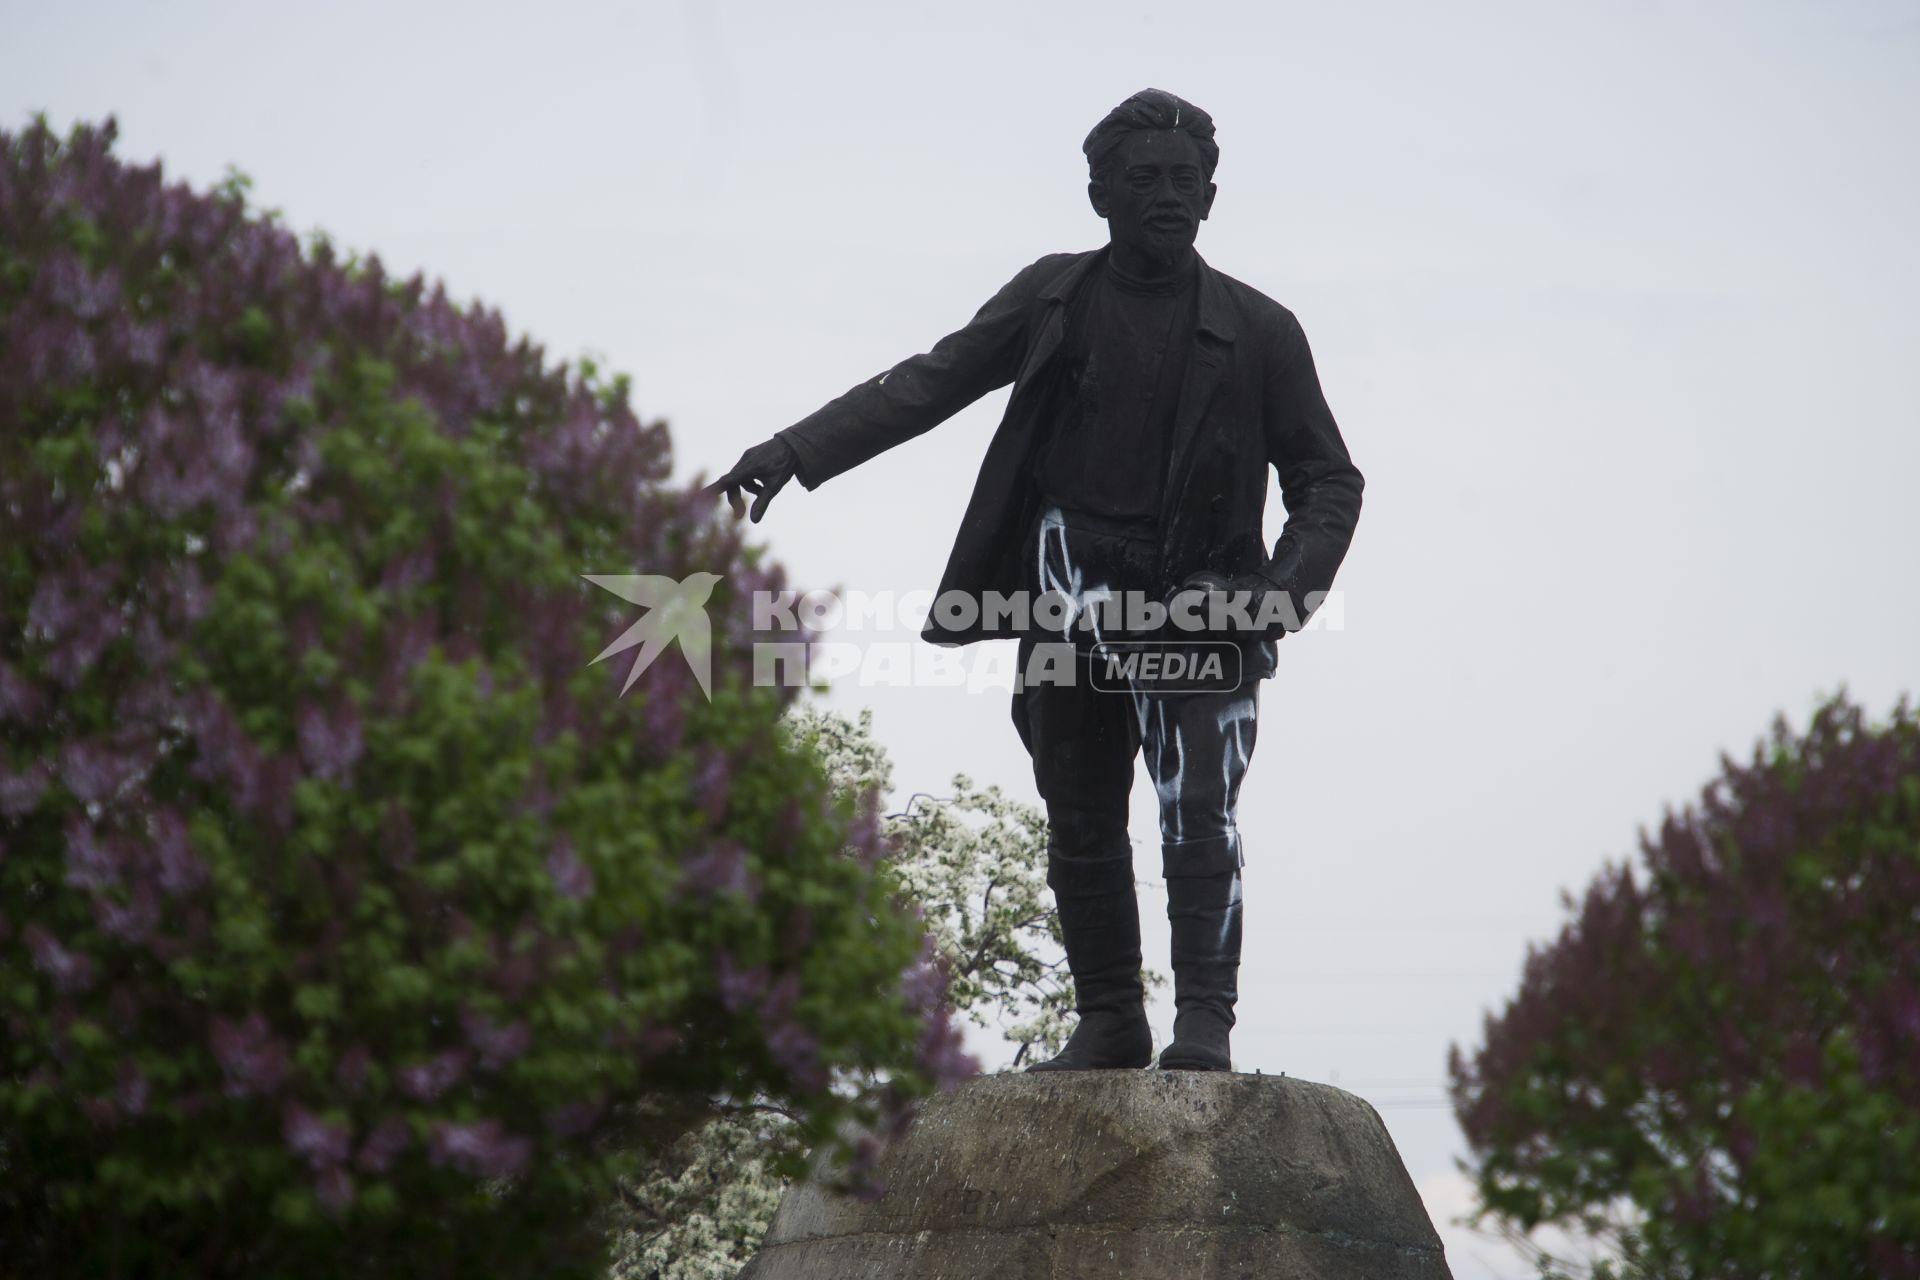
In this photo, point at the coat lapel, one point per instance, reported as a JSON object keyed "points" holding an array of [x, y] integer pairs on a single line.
{"points": [[1053, 319], [1213, 346]]}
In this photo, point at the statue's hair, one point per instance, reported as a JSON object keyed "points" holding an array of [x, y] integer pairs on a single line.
{"points": [[1153, 110]]}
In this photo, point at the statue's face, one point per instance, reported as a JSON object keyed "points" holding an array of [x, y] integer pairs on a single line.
{"points": [[1155, 194]]}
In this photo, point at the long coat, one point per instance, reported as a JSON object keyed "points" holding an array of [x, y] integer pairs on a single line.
{"points": [[1250, 399]]}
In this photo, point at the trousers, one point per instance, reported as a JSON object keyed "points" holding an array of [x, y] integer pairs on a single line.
{"points": [[1084, 738]]}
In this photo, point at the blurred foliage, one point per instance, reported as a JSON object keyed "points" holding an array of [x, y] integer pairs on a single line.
{"points": [[974, 863], [350, 921], [1715, 1069]]}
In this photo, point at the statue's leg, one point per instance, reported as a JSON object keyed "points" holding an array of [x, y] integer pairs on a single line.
{"points": [[1197, 749], [1083, 742]]}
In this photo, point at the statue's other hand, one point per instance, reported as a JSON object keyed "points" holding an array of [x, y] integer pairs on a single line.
{"points": [[1258, 587], [1190, 606], [1205, 598], [763, 471]]}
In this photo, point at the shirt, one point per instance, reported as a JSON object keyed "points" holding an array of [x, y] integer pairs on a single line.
{"points": [[1113, 406]]}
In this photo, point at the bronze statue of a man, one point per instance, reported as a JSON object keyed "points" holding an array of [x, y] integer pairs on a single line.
{"points": [[1150, 395]]}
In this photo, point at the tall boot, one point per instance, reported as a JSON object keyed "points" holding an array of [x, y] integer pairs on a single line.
{"points": [[1100, 925], [1203, 908]]}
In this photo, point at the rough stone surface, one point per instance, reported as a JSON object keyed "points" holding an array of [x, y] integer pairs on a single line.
{"points": [[1122, 1175]]}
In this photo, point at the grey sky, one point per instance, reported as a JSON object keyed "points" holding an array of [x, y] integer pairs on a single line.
{"points": [[1615, 304]]}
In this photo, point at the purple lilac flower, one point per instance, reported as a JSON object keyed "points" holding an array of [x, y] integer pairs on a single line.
{"points": [[720, 868], [923, 985], [497, 1045], [384, 1145], [66, 598], [330, 742], [263, 787], [409, 639], [235, 530], [19, 699], [353, 1069], [739, 988], [179, 869], [94, 772], [133, 1091], [408, 570], [483, 1148], [572, 878], [943, 1054], [313, 1139], [146, 344], [427, 1080], [664, 716], [73, 288], [253, 1061], [92, 863], [1802, 1062], [70, 971], [79, 356], [869, 841], [1904, 999], [76, 655], [796, 1051], [303, 636], [867, 1151], [130, 921], [151, 703], [710, 789], [537, 800]]}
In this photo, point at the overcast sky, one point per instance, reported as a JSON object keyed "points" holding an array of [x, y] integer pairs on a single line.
{"points": [[1615, 304]]}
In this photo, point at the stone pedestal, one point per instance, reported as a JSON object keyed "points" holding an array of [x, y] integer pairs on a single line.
{"points": [[1122, 1175]]}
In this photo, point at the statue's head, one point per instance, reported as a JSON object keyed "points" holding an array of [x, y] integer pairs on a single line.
{"points": [[1150, 172]]}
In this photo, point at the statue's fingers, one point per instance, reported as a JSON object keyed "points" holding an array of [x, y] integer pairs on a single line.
{"points": [[767, 490], [731, 479]]}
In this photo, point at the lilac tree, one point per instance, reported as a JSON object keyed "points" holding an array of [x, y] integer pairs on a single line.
{"points": [[973, 862], [1716, 1067], [348, 917]]}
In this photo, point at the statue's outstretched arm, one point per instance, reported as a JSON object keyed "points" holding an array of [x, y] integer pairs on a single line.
{"points": [[913, 396]]}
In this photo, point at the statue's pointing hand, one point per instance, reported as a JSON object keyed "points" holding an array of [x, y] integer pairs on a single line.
{"points": [[763, 471]]}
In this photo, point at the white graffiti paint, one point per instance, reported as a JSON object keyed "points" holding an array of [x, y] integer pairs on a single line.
{"points": [[1178, 732]]}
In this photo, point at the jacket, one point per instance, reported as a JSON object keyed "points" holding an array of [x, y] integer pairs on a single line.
{"points": [[1250, 399]]}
